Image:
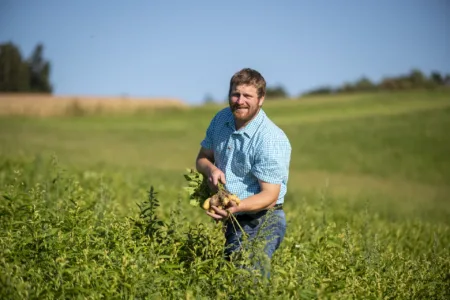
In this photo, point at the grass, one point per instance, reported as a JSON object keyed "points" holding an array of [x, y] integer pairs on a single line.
{"points": [[368, 205]]}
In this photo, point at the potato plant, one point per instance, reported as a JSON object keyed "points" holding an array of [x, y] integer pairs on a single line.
{"points": [[201, 195], [65, 234]]}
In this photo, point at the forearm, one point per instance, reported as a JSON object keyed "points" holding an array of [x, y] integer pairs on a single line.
{"points": [[204, 165], [257, 202]]}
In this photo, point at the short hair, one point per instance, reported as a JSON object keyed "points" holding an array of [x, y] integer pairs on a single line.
{"points": [[249, 76]]}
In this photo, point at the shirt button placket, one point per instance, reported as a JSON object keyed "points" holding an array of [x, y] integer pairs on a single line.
{"points": [[230, 144], [227, 153]]}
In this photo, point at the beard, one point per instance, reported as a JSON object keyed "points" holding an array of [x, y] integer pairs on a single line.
{"points": [[240, 111], [236, 107], [243, 114]]}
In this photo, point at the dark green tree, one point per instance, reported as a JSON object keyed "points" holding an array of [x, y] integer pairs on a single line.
{"points": [[276, 92], [364, 84], [14, 76], [437, 78], [347, 87], [39, 71], [322, 90], [417, 78]]}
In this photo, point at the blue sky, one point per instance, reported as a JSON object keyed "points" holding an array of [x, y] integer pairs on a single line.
{"points": [[187, 49]]}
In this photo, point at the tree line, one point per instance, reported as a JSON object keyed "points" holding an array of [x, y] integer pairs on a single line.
{"points": [[24, 74], [416, 79], [32, 74]]}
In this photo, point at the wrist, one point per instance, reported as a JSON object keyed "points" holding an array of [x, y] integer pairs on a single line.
{"points": [[212, 168], [205, 166], [234, 209]]}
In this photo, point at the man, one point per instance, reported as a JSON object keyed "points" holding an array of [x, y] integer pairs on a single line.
{"points": [[250, 155]]}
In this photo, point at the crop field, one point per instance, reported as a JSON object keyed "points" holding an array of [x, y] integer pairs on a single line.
{"points": [[48, 105], [93, 207]]}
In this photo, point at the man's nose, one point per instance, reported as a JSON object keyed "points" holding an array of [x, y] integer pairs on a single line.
{"points": [[240, 99]]}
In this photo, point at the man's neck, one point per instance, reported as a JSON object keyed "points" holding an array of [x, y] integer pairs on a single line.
{"points": [[238, 125]]}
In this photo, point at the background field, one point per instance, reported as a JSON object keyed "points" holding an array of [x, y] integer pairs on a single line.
{"points": [[371, 164], [44, 105], [390, 148]]}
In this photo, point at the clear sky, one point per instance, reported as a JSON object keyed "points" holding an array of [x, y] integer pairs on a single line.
{"points": [[186, 49]]}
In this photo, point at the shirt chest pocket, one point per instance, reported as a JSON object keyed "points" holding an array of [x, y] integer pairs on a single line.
{"points": [[240, 163], [220, 155]]}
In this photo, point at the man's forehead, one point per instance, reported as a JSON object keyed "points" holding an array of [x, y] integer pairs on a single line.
{"points": [[244, 88]]}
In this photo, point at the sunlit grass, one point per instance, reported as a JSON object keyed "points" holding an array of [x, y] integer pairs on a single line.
{"points": [[367, 208]]}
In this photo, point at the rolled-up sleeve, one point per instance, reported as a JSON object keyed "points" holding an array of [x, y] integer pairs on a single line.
{"points": [[207, 142]]}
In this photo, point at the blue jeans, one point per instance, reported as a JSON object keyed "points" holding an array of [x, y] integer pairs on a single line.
{"points": [[266, 229]]}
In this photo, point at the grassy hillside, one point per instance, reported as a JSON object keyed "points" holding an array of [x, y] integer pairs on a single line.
{"points": [[368, 173], [391, 144]]}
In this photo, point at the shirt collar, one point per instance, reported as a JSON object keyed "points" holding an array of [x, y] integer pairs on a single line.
{"points": [[251, 127]]}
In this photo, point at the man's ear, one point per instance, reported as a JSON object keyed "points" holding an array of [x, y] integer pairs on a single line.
{"points": [[261, 101]]}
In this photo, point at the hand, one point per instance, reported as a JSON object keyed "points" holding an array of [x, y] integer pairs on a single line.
{"points": [[223, 214], [214, 177]]}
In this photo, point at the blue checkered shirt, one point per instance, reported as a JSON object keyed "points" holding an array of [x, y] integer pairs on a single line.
{"points": [[260, 150]]}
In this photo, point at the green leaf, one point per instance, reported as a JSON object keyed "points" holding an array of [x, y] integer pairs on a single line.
{"points": [[194, 202], [189, 189]]}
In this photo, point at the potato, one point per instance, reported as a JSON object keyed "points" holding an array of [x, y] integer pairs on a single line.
{"points": [[215, 200], [235, 199], [206, 204], [222, 200]]}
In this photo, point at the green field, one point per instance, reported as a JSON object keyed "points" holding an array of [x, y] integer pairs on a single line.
{"points": [[368, 204]]}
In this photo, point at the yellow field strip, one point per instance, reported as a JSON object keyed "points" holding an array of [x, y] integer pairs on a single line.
{"points": [[46, 105]]}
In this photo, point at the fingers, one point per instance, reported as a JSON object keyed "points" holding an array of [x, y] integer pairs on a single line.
{"points": [[232, 208], [214, 216], [214, 178], [210, 182], [222, 178], [219, 214], [232, 204]]}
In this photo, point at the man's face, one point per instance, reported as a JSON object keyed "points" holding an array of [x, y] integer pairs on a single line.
{"points": [[244, 103]]}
